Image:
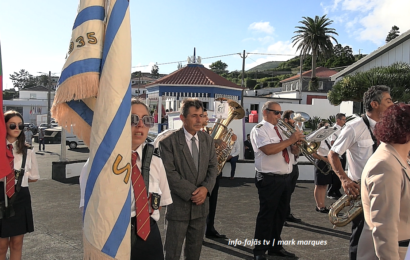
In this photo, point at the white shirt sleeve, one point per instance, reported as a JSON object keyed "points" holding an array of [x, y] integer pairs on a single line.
{"points": [[166, 198], [345, 140], [32, 165], [235, 150]]}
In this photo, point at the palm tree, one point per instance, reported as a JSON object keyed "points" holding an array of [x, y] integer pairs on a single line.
{"points": [[314, 38]]}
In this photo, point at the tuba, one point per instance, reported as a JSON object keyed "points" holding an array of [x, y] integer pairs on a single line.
{"points": [[221, 132], [307, 148], [354, 210]]}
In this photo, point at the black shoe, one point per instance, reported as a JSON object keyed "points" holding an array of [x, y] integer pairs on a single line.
{"points": [[334, 195], [338, 194], [214, 234], [292, 218], [259, 257], [322, 210], [281, 252]]}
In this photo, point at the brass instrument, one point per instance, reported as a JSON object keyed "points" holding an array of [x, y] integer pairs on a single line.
{"points": [[307, 148], [345, 201], [221, 132]]}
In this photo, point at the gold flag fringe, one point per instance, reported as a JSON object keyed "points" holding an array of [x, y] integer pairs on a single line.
{"points": [[68, 118], [92, 253], [78, 87]]}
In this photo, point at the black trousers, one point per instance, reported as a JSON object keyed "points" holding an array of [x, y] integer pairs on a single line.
{"points": [[210, 220], [357, 227], [151, 249], [336, 184], [294, 175], [274, 194]]}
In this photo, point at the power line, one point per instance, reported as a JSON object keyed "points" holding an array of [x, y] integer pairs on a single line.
{"points": [[184, 61], [274, 54], [212, 57]]}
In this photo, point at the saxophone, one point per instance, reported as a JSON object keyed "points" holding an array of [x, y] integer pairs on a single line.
{"points": [[221, 132], [354, 210]]}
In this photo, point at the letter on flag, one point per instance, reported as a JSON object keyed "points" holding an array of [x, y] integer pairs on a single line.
{"points": [[5, 168], [94, 99]]}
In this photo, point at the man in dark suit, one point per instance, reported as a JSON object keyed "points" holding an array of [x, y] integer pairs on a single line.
{"points": [[191, 165], [249, 154]]}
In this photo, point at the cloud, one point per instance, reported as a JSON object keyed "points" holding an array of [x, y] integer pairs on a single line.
{"points": [[370, 20], [264, 27], [281, 48]]}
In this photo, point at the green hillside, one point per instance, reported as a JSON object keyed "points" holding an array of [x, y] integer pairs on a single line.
{"points": [[266, 66]]}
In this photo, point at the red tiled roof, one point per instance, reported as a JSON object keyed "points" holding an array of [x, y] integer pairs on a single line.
{"points": [[194, 74], [321, 72]]}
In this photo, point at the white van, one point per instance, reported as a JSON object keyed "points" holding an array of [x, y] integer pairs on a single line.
{"points": [[72, 141]]}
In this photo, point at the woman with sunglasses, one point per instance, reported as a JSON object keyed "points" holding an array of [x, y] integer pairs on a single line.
{"points": [[13, 228]]}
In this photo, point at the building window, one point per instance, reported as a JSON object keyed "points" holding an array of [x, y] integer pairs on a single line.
{"points": [[320, 85], [33, 95], [255, 107]]}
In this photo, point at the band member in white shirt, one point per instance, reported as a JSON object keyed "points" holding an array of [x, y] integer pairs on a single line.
{"points": [[357, 139], [333, 192], [273, 163]]}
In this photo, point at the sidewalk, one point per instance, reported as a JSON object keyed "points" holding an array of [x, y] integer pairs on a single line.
{"points": [[58, 220]]}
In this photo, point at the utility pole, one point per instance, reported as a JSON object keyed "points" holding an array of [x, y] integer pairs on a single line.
{"points": [[301, 78], [49, 100], [243, 74]]}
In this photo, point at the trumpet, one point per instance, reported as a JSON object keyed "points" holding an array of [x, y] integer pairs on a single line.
{"points": [[307, 148]]}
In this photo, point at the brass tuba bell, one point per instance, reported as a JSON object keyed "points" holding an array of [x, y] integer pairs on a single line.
{"points": [[221, 132]]}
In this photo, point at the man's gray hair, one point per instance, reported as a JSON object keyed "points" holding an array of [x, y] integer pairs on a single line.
{"points": [[190, 102], [268, 104], [374, 93]]}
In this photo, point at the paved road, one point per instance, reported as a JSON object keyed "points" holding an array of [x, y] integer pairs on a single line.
{"points": [[58, 233]]}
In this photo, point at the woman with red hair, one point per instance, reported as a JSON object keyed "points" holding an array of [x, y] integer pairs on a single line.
{"points": [[385, 189]]}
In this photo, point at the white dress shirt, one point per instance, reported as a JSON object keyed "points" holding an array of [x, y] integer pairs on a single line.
{"points": [[158, 183], [336, 134], [263, 134], [31, 167], [188, 138], [323, 148], [355, 139], [236, 149]]}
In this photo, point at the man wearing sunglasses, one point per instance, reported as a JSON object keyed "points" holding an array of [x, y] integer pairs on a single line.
{"points": [[190, 161], [274, 163]]}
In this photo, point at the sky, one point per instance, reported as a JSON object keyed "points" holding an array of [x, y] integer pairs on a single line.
{"points": [[35, 35]]}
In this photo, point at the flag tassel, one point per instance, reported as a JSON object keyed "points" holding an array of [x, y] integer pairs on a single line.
{"points": [[71, 121], [76, 89]]}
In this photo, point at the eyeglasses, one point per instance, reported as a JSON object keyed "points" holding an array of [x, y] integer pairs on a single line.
{"points": [[276, 112], [148, 121], [13, 126]]}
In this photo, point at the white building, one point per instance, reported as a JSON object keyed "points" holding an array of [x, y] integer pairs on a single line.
{"points": [[397, 50], [31, 102]]}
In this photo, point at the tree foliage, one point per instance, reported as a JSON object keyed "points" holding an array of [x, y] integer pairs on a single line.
{"points": [[352, 88], [342, 56], [22, 79], [394, 32], [218, 67], [155, 71], [315, 37]]}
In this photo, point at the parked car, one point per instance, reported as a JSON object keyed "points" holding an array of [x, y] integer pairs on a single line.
{"points": [[72, 141], [45, 126], [32, 127]]}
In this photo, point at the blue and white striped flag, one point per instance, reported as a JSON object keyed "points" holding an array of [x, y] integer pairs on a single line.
{"points": [[94, 98]]}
